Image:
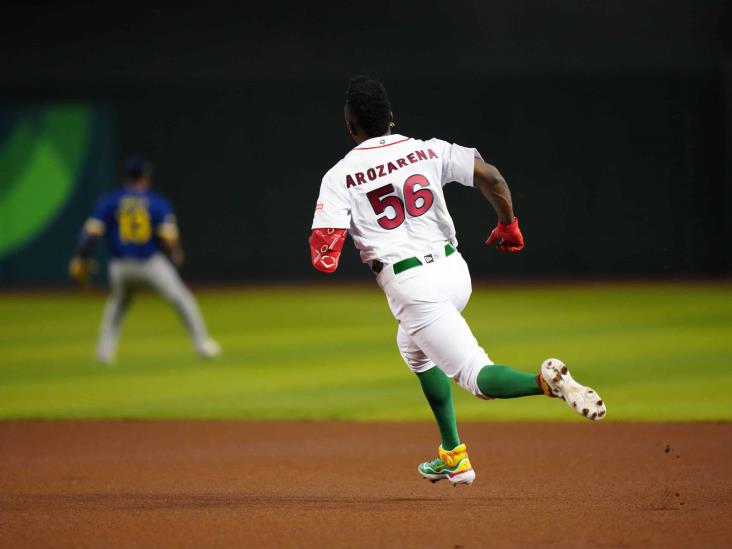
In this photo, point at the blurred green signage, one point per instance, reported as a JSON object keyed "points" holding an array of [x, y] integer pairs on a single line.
{"points": [[49, 158]]}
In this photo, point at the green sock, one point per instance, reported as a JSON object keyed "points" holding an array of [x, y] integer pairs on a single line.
{"points": [[436, 387], [504, 382]]}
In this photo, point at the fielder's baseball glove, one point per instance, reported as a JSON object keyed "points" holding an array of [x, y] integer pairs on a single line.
{"points": [[81, 269]]}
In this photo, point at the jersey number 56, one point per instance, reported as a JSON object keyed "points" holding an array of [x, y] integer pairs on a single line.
{"points": [[418, 199]]}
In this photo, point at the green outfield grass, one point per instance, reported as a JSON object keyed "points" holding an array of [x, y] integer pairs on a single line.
{"points": [[653, 351]]}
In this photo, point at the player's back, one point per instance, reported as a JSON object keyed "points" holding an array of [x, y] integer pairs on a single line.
{"points": [[130, 220], [393, 187]]}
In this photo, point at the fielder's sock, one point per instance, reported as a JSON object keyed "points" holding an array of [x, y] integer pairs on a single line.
{"points": [[437, 389], [498, 381]]}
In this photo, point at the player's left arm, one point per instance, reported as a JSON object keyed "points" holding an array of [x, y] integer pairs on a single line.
{"points": [[494, 188], [81, 265], [467, 167]]}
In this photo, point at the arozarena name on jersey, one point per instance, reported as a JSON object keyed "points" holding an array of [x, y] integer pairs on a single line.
{"points": [[359, 178]]}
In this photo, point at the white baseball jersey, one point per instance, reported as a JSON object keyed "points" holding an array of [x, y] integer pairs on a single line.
{"points": [[388, 192]]}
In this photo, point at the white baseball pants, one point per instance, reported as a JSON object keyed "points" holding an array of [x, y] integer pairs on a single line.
{"points": [[125, 276], [427, 302]]}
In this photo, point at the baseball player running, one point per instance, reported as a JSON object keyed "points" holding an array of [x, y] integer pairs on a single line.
{"points": [[142, 236], [388, 192]]}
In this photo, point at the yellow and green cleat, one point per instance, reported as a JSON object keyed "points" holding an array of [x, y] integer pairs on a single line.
{"points": [[453, 465]]}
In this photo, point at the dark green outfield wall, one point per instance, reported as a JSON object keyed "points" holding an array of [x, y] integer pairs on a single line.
{"points": [[611, 123]]}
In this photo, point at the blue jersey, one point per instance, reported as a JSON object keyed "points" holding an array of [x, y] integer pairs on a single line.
{"points": [[133, 222]]}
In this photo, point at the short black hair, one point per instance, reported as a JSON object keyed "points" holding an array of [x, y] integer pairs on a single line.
{"points": [[368, 103]]}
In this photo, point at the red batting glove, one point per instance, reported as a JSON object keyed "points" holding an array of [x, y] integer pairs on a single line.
{"points": [[509, 237]]}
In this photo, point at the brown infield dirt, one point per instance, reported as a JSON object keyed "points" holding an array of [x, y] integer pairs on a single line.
{"points": [[272, 484]]}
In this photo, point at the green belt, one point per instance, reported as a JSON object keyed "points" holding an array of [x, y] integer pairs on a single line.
{"points": [[408, 263]]}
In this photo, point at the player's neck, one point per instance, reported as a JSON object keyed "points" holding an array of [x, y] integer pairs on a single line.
{"points": [[358, 139], [137, 187]]}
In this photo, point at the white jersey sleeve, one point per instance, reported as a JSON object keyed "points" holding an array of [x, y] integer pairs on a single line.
{"points": [[458, 162], [333, 209]]}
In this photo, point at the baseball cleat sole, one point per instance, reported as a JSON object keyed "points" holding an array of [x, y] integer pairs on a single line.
{"points": [[463, 477], [583, 400]]}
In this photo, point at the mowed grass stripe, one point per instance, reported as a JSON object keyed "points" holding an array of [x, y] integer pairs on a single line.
{"points": [[655, 352]]}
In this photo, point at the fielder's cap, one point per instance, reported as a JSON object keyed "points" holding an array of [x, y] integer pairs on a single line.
{"points": [[136, 166]]}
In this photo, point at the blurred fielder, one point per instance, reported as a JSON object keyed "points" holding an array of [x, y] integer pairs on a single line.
{"points": [[142, 237], [388, 192]]}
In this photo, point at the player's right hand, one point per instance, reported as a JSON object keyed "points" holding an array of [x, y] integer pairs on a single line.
{"points": [[509, 237]]}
